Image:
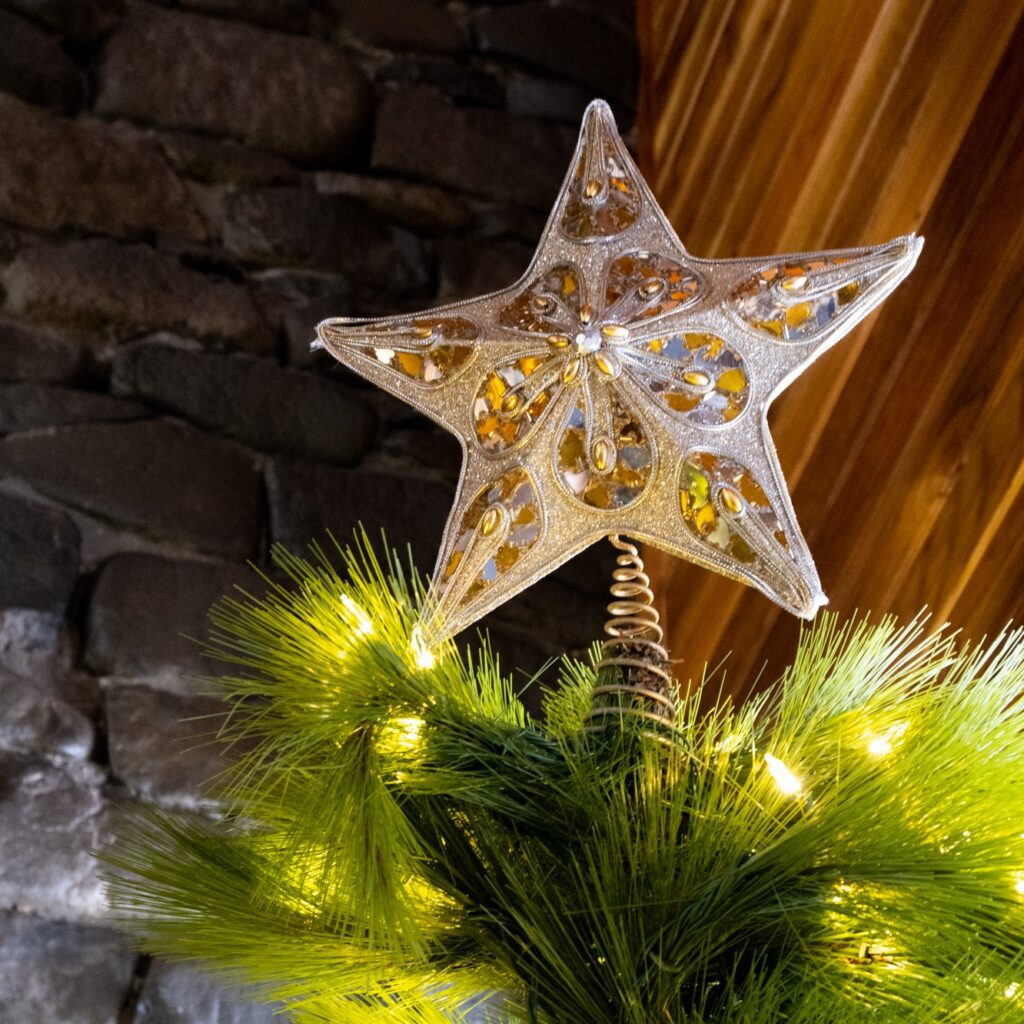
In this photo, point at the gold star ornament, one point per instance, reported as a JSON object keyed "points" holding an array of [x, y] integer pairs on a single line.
{"points": [[620, 386]]}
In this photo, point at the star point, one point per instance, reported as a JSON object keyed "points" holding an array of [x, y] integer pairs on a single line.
{"points": [[620, 386]]}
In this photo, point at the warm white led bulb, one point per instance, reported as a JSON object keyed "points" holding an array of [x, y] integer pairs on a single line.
{"points": [[787, 782], [363, 622], [401, 734], [421, 653], [879, 746]]}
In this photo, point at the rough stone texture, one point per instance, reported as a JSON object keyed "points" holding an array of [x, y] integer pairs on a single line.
{"points": [[251, 400], [29, 406], [180, 994], [303, 228], [160, 477], [56, 173], [621, 14], [401, 25], [486, 152], [463, 83], [52, 972], [424, 446], [308, 499], [51, 816], [80, 21], [575, 622], [294, 96], [291, 15], [148, 614], [177, 768], [549, 99], [223, 162], [295, 301], [32, 642], [34, 67], [116, 291], [423, 208], [38, 555], [472, 266], [33, 720], [220, 176], [564, 41], [35, 354]]}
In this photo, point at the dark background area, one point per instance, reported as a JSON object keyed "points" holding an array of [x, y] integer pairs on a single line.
{"points": [[185, 189]]}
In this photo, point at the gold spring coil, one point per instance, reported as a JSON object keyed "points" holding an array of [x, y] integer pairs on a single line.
{"points": [[634, 645]]}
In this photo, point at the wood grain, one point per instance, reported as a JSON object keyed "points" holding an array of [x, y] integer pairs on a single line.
{"points": [[770, 127]]}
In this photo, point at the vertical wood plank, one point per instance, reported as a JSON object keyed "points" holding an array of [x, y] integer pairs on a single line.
{"points": [[803, 125]]}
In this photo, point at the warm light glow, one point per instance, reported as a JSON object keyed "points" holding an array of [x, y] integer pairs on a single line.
{"points": [[400, 734], [787, 782], [730, 744], [1011, 990], [881, 744], [1018, 883], [422, 654], [363, 622]]}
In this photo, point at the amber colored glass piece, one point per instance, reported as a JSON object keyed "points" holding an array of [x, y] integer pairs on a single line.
{"points": [[627, 286], [516, 493], [626, 481], [782, 313], [602, 199], [503, 416], [400, 346], [704, 474], [704, 359], [558, 316]]}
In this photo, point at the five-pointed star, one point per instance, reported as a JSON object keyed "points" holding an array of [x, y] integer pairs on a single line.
{"points": [[620, 386]]}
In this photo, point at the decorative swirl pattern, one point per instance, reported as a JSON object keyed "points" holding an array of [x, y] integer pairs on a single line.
{"points": [[420, 350]]}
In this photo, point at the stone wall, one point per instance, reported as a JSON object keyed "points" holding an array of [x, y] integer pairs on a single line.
{"points": [[185, 189]]}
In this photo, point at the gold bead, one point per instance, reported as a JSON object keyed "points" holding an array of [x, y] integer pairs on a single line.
{"points": [[593, 187], [603, 454], [558, 340], [794, 284], [490, 521], [542, 303], [615, 331], [649, 288], [696, 379], [423, 332], [731, 500], [607, 364], [586, 313], [571, 370], [510, 402]]}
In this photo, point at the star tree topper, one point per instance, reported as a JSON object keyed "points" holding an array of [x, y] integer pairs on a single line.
{"points": [[620, 386]]}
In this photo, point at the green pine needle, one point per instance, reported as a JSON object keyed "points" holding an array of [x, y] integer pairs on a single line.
{"points": [[399, 838]]}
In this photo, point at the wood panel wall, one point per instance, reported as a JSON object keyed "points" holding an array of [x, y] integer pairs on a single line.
{"points": [[770, 126]]}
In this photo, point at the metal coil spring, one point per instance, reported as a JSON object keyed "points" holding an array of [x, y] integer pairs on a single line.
{"points": [[634, 645]]}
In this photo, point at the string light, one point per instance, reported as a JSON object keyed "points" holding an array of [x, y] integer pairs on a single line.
{"points": [[881, 744], [363, 622], [788, 783], [1018, 883], [401, 734], [730, 744], [421, 653]]}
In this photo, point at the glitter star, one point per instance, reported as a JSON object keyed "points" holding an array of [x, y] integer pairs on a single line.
{"points": [[620, 386]]}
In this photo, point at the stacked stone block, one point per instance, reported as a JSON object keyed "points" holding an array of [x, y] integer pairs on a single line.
{"points": [[186, 188]]}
